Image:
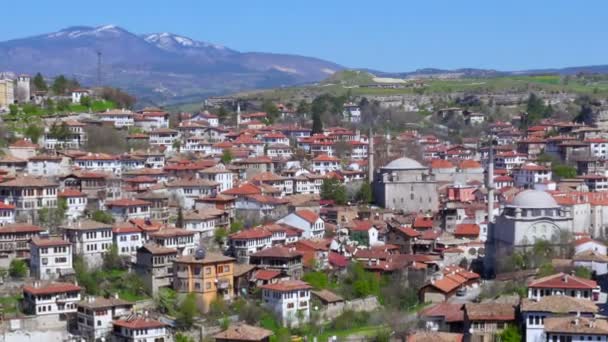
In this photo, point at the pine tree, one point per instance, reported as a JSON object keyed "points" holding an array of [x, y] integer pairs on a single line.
{"points": [[39, 82]]}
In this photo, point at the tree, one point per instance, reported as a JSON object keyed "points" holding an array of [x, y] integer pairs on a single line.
{"points": [[63, 105], [52, 218], [179, 337], [39, 82], [226, 156], [85, 101], [187, 311], [60, 132], [102, 216], [582, 272], [546, 269], [303, 108], [111, 259], [365, 194], [60, 85], [33, 132], [177, 145], [17, 268], [360, 283], [179, 221], [222, 113], [332, 189], [272, 112], [317, 123], [119, 97], [236, 226], [511, 334], [564, 171]]}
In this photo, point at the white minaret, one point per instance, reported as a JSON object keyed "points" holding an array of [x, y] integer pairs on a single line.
{"points": [[238, 114], [370, 153], [490, 183]]}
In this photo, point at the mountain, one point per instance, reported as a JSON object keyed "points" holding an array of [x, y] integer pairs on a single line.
{"points": [[161, 67]]}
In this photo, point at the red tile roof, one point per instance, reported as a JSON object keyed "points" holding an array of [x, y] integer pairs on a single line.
{"points": [[308, 215], [253, 233], [266, 274], [139, 323], [71, 193], [20, 228], [466, 229], [48, 242], [125, 202], [563, 281], [288, 285], [51, 288]]}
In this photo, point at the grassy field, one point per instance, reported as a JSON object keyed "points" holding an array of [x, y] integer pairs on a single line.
{"points": [[96, 106], [347, 82], [10, 304]]}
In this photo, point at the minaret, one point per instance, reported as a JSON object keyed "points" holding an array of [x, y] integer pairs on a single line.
{"points": [[370, 153], [490, 183], [238, 114]]}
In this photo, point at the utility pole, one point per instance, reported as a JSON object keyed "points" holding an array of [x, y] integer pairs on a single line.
{"points": [[98, 68]]}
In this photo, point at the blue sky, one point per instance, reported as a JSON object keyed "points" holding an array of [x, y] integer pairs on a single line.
{"points": [[385, 35]]}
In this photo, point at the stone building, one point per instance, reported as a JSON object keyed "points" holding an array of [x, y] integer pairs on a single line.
{"points": [[532, 216], [405, 184]]}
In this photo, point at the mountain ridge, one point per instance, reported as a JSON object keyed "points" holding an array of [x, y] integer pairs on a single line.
{"points": [[158, 65]]}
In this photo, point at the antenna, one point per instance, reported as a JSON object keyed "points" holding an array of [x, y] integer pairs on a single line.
{"points": [[99, 68]]}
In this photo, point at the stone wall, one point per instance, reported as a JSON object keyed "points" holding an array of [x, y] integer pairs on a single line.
{"points": [[364, 304]]}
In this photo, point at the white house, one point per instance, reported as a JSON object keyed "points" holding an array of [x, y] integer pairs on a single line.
{"points": [[7, 214], [279, 151], [50, 258], [163, 137], [352, 112], [96, 314], [125, 209], [324, 163], [177, 238], [220, 174], [536, 312], [29, 194], [137, 328], [90, 239], [45, 165], [100, 162], [531, 174], [120, 118], [128, 238], [78, 94], [562, 284], [186, 191], [249, 241], [76, 202], [308, 221], [204, 222], [50, 298], [289, 300], [598, 147], [586, 244]]}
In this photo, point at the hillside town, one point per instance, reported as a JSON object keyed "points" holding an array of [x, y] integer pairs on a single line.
{"points": [[251, 221]]}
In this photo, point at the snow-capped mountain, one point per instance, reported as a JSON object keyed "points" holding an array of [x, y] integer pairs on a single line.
{"points": [[142, 63]]}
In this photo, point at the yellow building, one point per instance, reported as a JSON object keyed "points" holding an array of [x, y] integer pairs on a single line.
{"points": [[210, 276], [7, 93]]}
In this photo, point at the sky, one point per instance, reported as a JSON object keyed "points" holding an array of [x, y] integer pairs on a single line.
{"points": [[398, 35]]}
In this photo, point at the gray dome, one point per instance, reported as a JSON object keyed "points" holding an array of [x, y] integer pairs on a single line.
{"points": [[404, 164], [534, 199]]}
